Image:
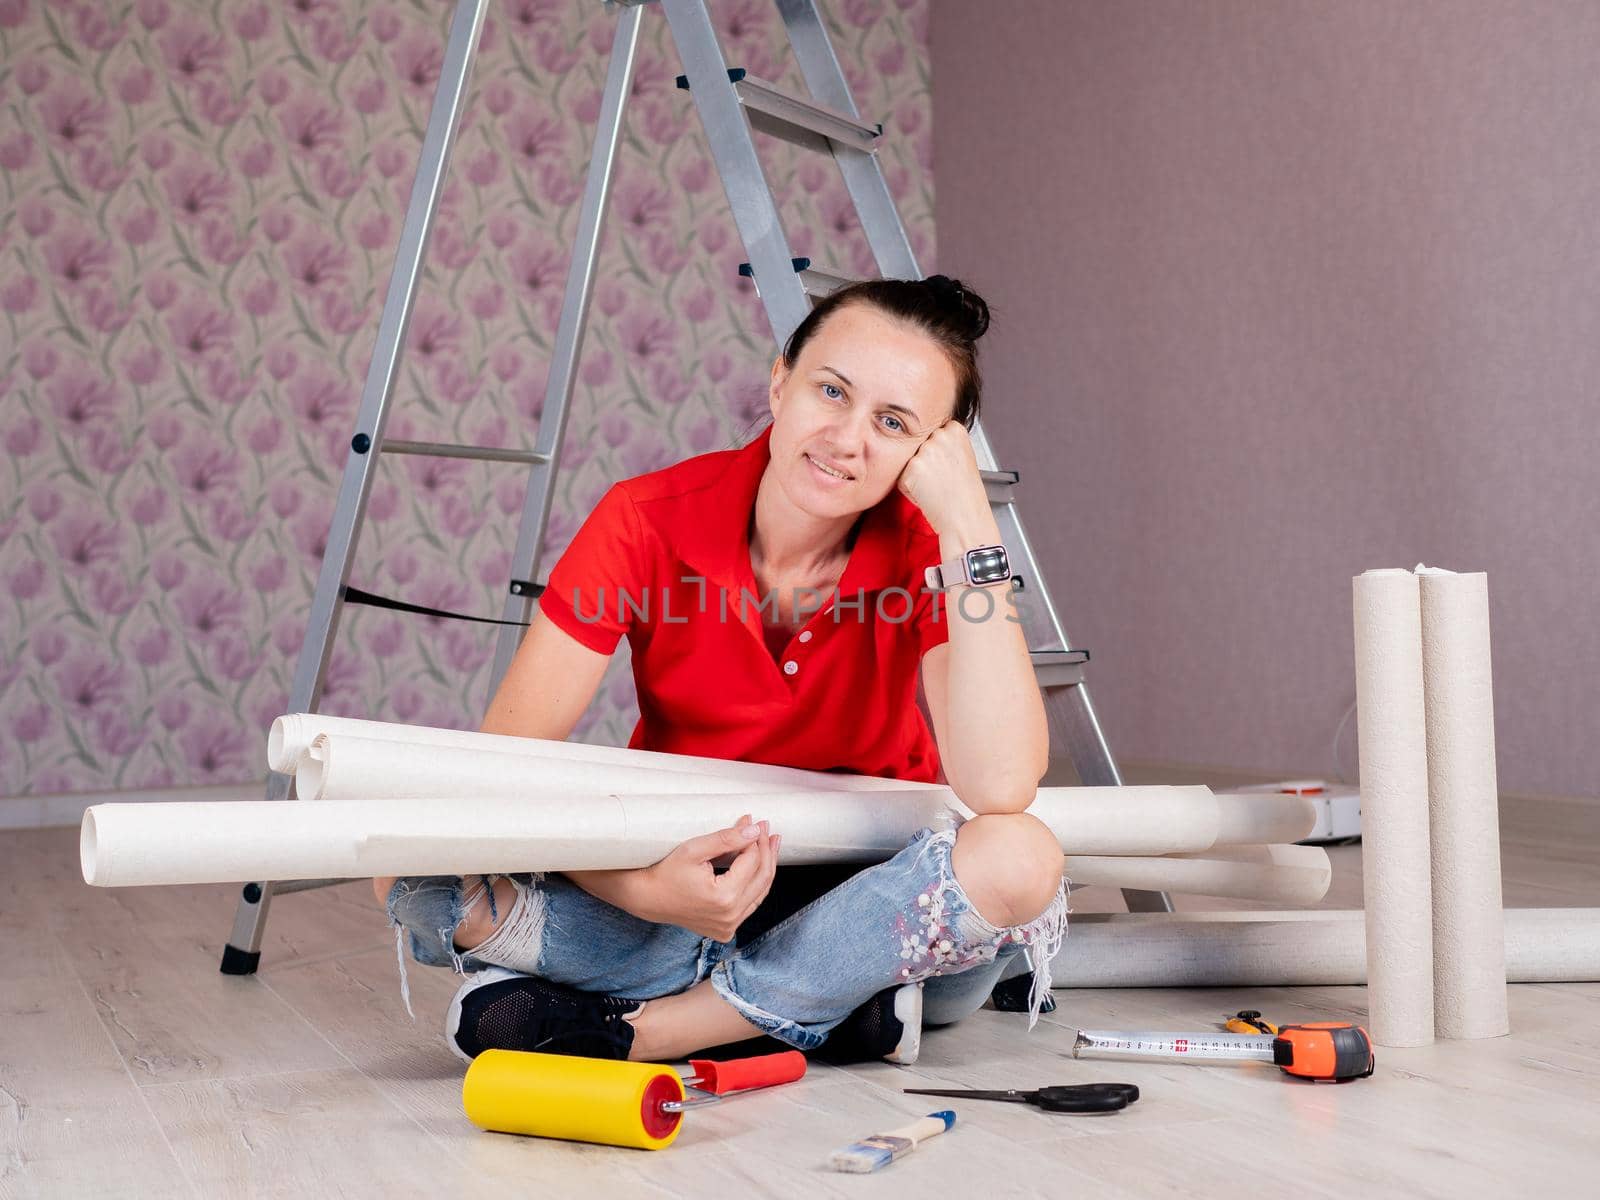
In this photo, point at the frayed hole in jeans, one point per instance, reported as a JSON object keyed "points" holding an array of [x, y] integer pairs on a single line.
{"points": [[1044, 936], [400, 957], [518, 941]]}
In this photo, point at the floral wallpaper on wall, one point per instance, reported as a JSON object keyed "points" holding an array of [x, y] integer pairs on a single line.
{"points": [[200, 209]]}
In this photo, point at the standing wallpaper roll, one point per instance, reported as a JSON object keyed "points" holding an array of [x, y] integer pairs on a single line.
{"points": [[1395, 862], [1469, 965]]}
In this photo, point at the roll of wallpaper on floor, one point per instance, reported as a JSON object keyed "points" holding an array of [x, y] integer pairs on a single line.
{"points": [[200, 842], [1325, 947], [1393, 751], [1270, 874], [1469, 975], [291, 737]]}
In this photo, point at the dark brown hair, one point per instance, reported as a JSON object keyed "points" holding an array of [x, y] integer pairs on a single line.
{"points": [[951, 314]]}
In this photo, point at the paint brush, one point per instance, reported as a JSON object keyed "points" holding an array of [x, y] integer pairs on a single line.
{"points": [[881, 1149]]}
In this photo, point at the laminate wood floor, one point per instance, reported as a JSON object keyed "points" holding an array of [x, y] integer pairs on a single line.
{"points": [[130, 1067]]}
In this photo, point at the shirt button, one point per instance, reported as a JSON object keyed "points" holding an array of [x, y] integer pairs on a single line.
{"points": [[790, 667], [805, 635]]}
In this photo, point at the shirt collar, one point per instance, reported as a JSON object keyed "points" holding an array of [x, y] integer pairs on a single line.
{"points": [[713, 529]]}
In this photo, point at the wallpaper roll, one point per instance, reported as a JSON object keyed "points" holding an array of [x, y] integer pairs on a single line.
{"points": [[343, 767], [1271, 874], [1469, 970], [1395, 862], [1112, 820], [197, 842], [1253, 818], [1552, 945], [200, 842], [1294, 949], [291, 737], [1107, 820]]}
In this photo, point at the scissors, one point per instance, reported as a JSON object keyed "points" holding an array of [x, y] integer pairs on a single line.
{"points": [[1069, 1098]]}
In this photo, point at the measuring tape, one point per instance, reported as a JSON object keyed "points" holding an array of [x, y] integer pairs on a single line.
{"points": [[1326, 1050]]}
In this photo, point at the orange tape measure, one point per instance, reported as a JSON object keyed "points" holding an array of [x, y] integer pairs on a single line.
{"points": [[1321, 1050]]}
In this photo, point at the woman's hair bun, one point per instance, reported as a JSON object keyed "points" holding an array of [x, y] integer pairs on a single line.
{"points": [[974, 313]]}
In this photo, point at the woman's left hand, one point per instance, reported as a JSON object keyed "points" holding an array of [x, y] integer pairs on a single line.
{"points": [[942, 479]]}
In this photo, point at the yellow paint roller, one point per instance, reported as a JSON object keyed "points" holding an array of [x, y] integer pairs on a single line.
{"points": [[603, 1101]]}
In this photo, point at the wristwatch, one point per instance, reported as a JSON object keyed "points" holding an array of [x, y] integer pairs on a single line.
{"points": [[986, 564]]}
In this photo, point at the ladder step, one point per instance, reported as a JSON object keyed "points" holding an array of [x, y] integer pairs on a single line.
{"points": [[480, 453], [803, 122], [817, 281], [1059, 668], [999, 485], [306, 885], [823, 281]]}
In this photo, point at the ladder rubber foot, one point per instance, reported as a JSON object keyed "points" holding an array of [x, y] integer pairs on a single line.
{"points": [[1012, 996], [239, 962]]}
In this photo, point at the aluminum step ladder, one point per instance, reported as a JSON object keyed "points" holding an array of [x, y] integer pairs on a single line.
{"points": [[731, 103]]}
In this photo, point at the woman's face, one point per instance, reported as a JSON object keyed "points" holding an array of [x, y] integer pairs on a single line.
{"points": [[865, 393]]}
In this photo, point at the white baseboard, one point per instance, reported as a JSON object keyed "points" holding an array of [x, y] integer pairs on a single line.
{"points": [[66, 808]]}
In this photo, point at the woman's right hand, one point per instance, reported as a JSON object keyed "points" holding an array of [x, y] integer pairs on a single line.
{"points": [[688, 891]]}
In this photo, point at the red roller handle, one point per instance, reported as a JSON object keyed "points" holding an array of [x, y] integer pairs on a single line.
{"points": [[741, 1074]]}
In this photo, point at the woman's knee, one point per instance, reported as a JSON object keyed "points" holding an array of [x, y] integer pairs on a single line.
{"points": [[1009, 864], [483, 918], [456, 911]]}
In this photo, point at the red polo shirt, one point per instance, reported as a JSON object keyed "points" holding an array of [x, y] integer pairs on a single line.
{"points": [[665, 559]]}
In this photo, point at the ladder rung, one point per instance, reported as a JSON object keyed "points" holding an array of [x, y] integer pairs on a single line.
{"points": [[817, 281], [1059, 668], [803, 122], [820, 281], [998, 485], [306, 885], [480, 453]]}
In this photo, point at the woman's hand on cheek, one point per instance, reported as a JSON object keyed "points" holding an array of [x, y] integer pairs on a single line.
{"points": [[942, 479]]}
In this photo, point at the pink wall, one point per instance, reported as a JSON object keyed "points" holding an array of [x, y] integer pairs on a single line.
{"points": [[199, 205], [1283, 292]]}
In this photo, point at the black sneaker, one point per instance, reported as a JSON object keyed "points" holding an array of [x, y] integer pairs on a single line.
{"points": [[887, 1027], [496, 1009]]}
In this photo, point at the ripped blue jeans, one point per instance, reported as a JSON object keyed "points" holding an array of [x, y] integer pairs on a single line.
{"points": [[906, 920]]}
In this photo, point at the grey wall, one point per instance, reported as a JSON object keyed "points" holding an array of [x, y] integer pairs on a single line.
{"points": [[1285, 291]]}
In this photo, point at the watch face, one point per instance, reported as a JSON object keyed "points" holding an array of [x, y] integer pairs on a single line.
{"points": [[988, 565]]}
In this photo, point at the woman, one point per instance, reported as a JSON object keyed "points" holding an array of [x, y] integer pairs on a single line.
{"points": [[776, 605]]}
